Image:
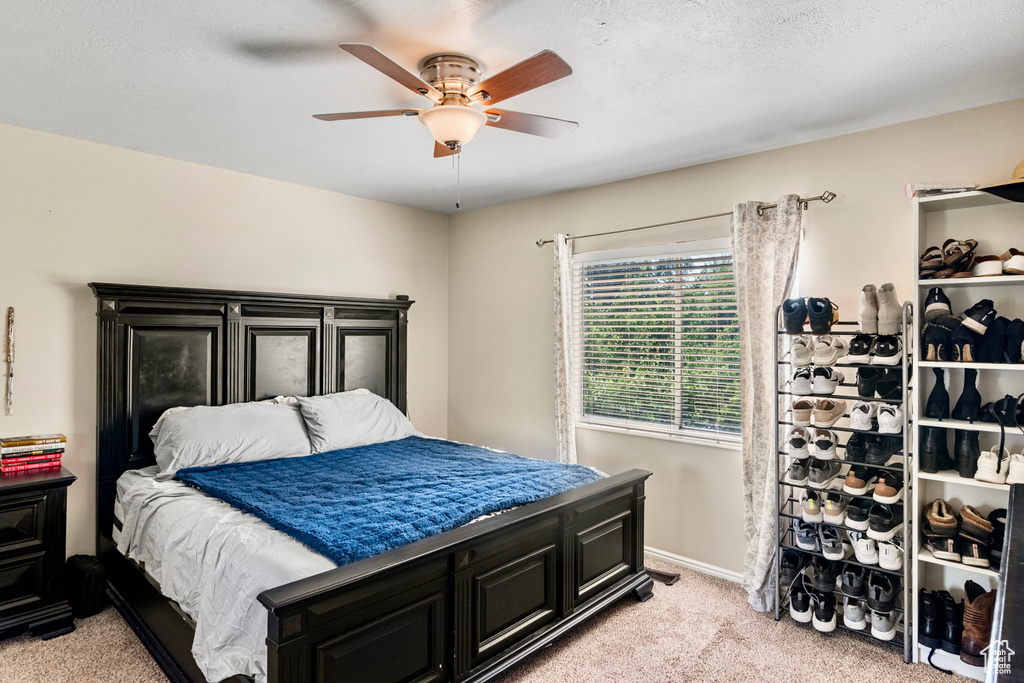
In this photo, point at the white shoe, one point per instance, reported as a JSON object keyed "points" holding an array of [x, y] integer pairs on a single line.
{"points": [[868, 310], [861, 415], [801, 382], [890, 419], [826, 380], [864, 549], [828, 350], [890, 555], [890, 313], [800, 351], [1016, 472], [1013, 262], [825, 444], [991, 469], [796, 443]]}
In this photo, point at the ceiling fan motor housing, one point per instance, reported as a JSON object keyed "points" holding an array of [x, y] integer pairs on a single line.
{"points": [[453, 75]]}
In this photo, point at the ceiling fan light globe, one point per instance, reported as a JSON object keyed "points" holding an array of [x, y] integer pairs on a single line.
{"points": [[452, 123]]}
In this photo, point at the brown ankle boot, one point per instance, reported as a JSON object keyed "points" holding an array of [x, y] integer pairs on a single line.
{"points": [[978, 612]]}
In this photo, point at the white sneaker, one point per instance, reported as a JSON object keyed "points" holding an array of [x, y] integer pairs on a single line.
{"points": [[862, 414], [801, 385], [868, 317], [1016, 472], [990, 468], [890, 555], [800, 351], [825, 444], [826, 380], [828, 350], [890, 419], [796, 443], [864, 549], [890, 313]]}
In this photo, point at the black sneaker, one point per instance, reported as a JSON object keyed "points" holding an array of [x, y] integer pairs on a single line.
{"points": [[855, 448], [890, 384], [973, 551], [821, 313], [978, 317], [883, 524], [800, 603], [936, 304], [866, 381], [794, 315], [860, 349], [825, 572], [857, 513], [855, 581], [879, 448], [824, 616], [888, 350], [882, 590], [790, 565]]}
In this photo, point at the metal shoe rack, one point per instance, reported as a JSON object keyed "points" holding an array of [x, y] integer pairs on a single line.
{"points": [[788, 502]]}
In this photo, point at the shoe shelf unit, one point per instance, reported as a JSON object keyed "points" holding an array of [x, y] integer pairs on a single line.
{"points": [[788, 510], [996, 224]]}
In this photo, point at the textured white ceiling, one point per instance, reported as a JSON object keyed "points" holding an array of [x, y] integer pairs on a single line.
{"points": [[658, 84]]}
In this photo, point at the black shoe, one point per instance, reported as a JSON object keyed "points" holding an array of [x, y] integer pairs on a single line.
{"points": [[882, 589], [890, 384], [954, 621], [789, 566], [883, 523], [855, 581], [992, 348], [824, 616], [825, 572], [821, 313], [936, 338], [967, 449], [856, 448], [936, 304], [888, 350], [979, 316], [934, 450], [878, 448], [968, 406], [857, 511], [866, 381], [998, 520], [794, 315], [1015, 341], [932, 614], [938, 400], [974, 552], [965, 345], [860, 349], [800, 603]]}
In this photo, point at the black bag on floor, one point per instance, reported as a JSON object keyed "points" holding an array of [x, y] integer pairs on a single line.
{"points": [[86, 585]]}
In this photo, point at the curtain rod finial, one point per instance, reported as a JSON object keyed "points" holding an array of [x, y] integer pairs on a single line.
{"points": [[540, 242], [827, 196]]}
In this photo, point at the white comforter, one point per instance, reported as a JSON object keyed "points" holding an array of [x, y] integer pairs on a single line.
{"points": [[213, 560]]}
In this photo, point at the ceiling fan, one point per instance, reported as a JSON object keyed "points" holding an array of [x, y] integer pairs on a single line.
{"points": [[455, 83]]}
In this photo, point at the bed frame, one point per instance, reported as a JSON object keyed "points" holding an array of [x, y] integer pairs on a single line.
{"points": [[461, 606]]}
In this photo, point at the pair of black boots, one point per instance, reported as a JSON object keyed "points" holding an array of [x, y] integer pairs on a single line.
{"points": [[941, 621], [935, 454]]}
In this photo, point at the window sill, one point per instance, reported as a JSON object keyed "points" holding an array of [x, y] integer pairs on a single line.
{"points": [[724, 442]]}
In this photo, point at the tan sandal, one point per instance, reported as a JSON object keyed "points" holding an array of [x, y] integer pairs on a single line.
{"points": [[955, 252]]}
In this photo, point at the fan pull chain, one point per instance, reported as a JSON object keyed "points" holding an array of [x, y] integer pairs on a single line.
{"points": [[458, 179]]}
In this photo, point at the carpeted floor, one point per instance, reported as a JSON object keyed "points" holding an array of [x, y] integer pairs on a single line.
{"points": [[697, 630]]}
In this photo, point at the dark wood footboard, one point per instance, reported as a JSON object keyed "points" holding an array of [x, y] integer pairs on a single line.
{"points": [[467, 604]]}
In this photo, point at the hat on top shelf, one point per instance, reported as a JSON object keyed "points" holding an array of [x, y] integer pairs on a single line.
{"points": [[1012, 189]]}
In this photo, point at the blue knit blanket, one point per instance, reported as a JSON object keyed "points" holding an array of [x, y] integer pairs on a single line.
{"points": [[356, 502]]}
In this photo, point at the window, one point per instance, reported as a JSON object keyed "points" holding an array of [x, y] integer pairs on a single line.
{"points": [[657, 342]]}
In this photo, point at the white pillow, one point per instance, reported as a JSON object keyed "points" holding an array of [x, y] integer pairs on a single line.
{"points": [[352, 418], [239, 432]]}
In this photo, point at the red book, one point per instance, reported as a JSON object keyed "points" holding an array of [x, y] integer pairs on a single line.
{"points": [[20, 460], [45, 464]]}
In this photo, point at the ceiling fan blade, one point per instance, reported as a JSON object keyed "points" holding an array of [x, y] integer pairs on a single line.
{"points": [[540, 69], [443, 151], [545, 126], [384, 64], [365, 114]]}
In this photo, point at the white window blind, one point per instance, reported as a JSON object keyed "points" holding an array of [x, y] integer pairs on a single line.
{"points": [[657, 344]]}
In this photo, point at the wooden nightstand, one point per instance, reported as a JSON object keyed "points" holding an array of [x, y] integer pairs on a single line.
{"points": [[33, 509]]}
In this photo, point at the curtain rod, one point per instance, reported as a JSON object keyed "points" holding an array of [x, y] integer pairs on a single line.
{"points": [[824, 197]]}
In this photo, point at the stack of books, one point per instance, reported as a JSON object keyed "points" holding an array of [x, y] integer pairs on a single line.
{"points": [[23, 453]]}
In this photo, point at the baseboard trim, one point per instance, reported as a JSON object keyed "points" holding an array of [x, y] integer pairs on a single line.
{"points": [[696, 565]]}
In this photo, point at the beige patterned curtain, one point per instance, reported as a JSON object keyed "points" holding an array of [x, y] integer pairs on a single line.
{"points": [[764, 255], [565, 423]]}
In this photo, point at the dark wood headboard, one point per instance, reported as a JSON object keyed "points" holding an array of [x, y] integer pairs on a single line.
{"points": [[160, 347]]}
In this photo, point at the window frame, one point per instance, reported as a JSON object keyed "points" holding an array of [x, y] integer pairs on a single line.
{"points": [[704, 437]]}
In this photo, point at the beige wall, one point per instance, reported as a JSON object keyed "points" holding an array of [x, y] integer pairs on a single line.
{"points": [[500, 383], [74, 212]]}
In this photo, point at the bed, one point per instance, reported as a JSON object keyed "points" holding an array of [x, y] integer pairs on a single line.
{"points": [[463, 605]]}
